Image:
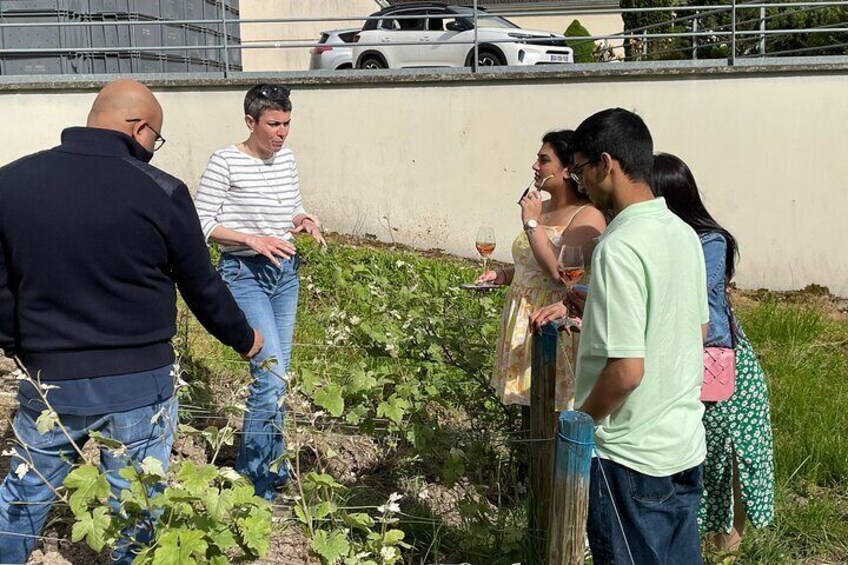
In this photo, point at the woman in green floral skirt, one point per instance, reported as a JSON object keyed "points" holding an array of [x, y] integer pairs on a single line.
{"points": [[739, 468]]}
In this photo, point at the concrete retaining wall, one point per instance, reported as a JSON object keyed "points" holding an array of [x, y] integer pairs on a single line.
{"points": [[426, 158]]}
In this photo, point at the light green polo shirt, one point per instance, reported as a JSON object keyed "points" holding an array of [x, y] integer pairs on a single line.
{"points": [[647, 299]]}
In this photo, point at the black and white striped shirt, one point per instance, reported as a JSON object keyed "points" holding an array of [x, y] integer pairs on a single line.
{"points": [[249, 195]]}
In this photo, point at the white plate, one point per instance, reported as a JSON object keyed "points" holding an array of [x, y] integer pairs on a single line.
{"points": [[482, 287]]}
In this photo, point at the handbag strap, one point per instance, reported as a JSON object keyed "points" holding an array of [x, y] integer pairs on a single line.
{"points": [[731, 316]]}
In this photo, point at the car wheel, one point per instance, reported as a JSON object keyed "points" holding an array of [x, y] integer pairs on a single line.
{"points": [[489, 58], [372, 62]]}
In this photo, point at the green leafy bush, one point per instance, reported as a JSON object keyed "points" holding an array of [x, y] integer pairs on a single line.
{"points": [[583, 49]]}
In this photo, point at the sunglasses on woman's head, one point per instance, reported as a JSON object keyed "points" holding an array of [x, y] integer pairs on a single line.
{"points": [[274, 92]]}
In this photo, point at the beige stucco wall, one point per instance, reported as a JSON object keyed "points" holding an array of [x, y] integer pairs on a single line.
{"points": [[434, 162], [296, 58]]}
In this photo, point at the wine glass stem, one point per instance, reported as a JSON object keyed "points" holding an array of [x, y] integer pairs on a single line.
{"points": [[485, 263]]}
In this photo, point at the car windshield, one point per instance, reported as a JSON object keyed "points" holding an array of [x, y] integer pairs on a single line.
{"points": [[484, 19]]}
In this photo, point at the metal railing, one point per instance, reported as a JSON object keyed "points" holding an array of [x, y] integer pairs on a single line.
{"points": [[723, 33]]}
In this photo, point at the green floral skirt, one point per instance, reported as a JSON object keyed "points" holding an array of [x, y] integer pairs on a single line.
{"points": [[740, 427]]}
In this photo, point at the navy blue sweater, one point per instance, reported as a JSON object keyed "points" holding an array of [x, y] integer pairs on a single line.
{"points": [[93, 240]]}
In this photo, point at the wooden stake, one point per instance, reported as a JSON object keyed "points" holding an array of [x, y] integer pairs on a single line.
{"points": [[543, 423], [570, 502]]}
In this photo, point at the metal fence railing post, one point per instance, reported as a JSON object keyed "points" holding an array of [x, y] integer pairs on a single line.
{"points": [[476, 40], [762, 44], [695, 37], [732, 59], [224, 31]]}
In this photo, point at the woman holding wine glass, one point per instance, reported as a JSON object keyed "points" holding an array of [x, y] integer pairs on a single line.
{"points": [[566, 219]]}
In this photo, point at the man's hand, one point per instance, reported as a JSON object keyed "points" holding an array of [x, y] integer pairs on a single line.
{"points": [[575, 299], [271, 247], [308, 226], [547, 314], [258, 342]]}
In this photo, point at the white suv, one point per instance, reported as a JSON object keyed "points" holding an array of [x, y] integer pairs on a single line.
{"points": [[435, 35]]}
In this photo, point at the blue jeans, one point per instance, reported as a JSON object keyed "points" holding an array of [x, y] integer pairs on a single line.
{"points": [[268, 297], [25, 502], [659, 515]]}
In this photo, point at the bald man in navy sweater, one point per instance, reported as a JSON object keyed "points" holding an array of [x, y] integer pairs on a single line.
{"points": [[94, 241]]}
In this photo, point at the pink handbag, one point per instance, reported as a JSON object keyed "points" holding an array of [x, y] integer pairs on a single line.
{"points": [[719, 374], [720, 366]]}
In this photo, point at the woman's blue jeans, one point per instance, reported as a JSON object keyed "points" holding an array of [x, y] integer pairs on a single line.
{"points": [[268, 297]]}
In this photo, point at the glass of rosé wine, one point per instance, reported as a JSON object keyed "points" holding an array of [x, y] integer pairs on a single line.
{"points": [[485, 244], [570, 265]]}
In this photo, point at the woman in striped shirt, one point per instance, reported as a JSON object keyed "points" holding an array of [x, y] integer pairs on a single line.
{"points": [[249, 204]]}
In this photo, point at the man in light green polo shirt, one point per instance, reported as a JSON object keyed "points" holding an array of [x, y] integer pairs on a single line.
{"points": [[640, 362], [647, 302]]}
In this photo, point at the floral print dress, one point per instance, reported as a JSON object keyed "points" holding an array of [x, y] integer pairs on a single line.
{"points": [[530, 290], [740, 429]]}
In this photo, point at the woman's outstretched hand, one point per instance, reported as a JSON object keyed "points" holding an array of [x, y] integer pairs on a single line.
{"points": [[547, 314], [571, 307], [487, 277], [491, 277], [308, 226]]}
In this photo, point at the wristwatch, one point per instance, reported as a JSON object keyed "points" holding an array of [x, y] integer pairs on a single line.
{"points": [[531, 224]]}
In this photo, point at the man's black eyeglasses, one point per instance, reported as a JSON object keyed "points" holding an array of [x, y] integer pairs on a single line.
{"points": [[576, 172], [160, 141]]}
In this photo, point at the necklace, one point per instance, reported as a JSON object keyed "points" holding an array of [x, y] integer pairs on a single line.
{"points": [[260, 167], [274, 189]]}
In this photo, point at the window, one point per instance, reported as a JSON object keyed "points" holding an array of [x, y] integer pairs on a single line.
{"points": [[407, 23], [436, 24], [391, 24]]}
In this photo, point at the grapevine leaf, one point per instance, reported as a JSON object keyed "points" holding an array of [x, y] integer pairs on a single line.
{"points": [[392, 537], [196, 480], [88, 485], [153, 466], [92, 526], [256, 530], [330, 398], [46, 421], [332, 546]]}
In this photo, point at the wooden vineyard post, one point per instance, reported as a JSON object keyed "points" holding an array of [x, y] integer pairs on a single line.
{"points": [[543, 423], [570, 502]]}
